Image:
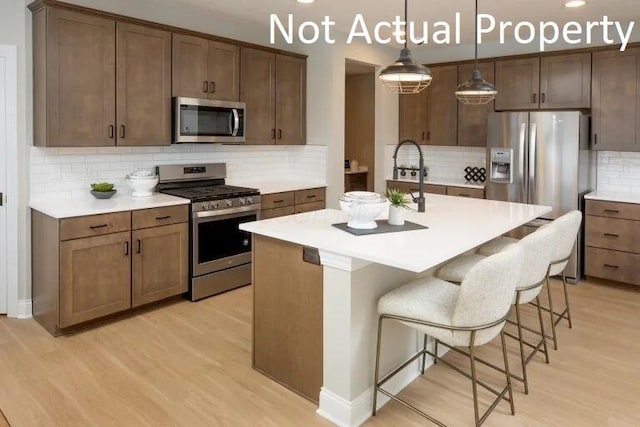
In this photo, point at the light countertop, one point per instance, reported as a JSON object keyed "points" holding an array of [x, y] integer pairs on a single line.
{"points": [[277, 186], [456, 225], [89, 205], [448, 183], [613, 196]]}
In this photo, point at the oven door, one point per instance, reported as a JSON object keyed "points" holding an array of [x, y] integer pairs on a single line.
{"points": [[203, 120], [218, 243]]}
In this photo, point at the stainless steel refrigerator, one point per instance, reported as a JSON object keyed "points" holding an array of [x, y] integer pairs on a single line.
{"points": [[542, 158]]}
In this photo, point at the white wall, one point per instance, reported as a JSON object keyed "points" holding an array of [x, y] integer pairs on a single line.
{"points": [[14, 19]]}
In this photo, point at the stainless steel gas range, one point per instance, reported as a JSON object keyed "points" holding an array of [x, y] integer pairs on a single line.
{"points": [[220, 252]]}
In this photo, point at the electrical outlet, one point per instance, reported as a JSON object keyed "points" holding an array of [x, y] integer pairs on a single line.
{"points": [[311, 255]]}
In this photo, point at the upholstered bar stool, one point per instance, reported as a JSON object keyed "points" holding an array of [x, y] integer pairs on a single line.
{"points": [[468, 315], [537, 248], [567, 227]]}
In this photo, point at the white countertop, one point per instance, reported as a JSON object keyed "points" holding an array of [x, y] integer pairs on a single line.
{"points": [[89, 205], [277, 186], [456, 225], [613, 196], [448, 183]]}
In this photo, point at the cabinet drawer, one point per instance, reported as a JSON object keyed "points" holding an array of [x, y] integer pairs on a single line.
{"points": [[435, 189], [308, 207], [277, 200], [277, 212], [609, 233], [154, 217], [94, 225], [475, 193], [405, 187], [612, 265], [613, 209], [307, 196]]}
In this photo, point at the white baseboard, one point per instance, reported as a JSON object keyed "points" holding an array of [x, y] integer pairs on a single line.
{"points": [[344, 413], [24, 309]]}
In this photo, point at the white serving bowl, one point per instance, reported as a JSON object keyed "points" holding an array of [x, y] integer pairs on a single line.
{"points": [[362, 208], [141, 185]]}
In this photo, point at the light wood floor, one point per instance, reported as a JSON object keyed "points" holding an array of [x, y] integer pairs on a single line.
{"points": [[187, 364]]}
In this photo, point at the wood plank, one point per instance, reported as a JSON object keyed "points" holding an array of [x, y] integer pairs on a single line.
{"points": [[612, 265], [277, 200], [189, 59], [277, 212], [94, 225], [610, 233], [258, 91], [613, 209], [310, 195], [475, 193], [291, 100], [154, 217], [287, 316]]}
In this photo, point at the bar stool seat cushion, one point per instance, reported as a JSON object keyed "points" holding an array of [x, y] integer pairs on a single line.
{"points": [[456, 270], [496, 245]]}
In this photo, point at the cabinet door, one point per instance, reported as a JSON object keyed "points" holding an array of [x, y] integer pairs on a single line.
{"points": [[144, 85], [190, 61], [472, 119], [518, 83], [413, 117], [291, 100], [442, 106], [565, 81], [258, 91], [160, 263], [616, 99], [224, 71], [95, 277], [81, 79]]}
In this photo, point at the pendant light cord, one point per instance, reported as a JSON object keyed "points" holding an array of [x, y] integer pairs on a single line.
{"points": [[406, 24], [476, 33]]}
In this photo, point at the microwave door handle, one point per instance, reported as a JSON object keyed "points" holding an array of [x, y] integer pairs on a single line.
{"points": [[236, 122], [532, 162]]}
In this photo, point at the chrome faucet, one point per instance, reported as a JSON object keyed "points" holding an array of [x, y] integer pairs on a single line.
{"points": [[420, 199]]}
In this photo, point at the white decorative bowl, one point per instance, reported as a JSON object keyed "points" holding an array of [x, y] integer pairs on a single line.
{"points": [[362, 208], [142, 185]]}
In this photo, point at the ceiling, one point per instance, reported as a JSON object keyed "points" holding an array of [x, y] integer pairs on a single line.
{"points": [[343, 12]]}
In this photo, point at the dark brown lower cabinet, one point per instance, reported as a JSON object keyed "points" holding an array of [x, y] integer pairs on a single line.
{"points": [[87, 268], [155, 275]]}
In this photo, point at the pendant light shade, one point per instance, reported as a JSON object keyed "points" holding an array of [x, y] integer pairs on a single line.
{"points": [[476, 90], [406, 76]]}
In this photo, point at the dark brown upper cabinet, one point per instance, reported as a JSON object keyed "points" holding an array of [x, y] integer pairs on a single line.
{"points": [[616, 100], [430, 117], [74, 79], [98, 82], [472, 119], [273, 86], [143, 85], [548, 82], [205, 68]]}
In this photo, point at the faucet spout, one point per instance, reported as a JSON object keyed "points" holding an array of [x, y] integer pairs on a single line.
{"points": [[420, 199]]}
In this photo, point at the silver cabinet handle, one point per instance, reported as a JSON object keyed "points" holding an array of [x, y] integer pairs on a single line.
{"points": [[112, 131], [205, 87], [212, 87], [122, 130]]}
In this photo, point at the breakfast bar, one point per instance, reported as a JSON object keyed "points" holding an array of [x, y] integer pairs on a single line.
{"points": [[316, 289]]}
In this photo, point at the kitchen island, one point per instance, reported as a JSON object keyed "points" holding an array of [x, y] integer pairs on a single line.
{"points": [[316, 290]]}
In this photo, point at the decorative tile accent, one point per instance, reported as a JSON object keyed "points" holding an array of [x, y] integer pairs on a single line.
{"points": [[619, 172], [67, 172]]}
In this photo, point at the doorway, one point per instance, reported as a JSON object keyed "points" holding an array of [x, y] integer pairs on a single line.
{"points": [[359, 126], [8, 184]]}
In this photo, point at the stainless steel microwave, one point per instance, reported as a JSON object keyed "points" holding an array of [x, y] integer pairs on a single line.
{"points": [[203, 120]]}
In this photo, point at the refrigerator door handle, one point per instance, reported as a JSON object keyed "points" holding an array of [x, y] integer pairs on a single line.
{"points": [[533, 136], [523, 136]]}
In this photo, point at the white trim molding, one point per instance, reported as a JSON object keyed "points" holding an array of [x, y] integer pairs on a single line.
{"points": [[341, 262], [24, 310]]}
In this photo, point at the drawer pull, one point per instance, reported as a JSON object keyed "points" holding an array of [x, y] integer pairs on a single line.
{"points": [[95, 227], [311, 196], [612, 211], [613, 267], [278, 201], [464, 195], [613, 236], [126, 248], [139, 249], [161, 218]]}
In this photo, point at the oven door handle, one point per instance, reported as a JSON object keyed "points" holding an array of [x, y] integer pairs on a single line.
{"points": [[227, 212], [236, 122]]}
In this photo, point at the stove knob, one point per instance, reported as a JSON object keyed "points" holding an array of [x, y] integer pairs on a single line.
{"points": [[205, 206], [242, 201], [228, 203], [248, 201]]}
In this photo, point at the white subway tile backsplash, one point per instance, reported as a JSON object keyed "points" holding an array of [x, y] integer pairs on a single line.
{"points": [[67, 172], [619, 171]]}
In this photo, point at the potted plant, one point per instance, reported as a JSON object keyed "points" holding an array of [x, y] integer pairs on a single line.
{"points": [[103, 190], [398, 206]]}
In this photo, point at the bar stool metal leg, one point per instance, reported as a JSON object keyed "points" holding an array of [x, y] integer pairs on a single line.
{"points": [[566, 300], [544, 339], [523, 359], [506, 370], [474, 386], [551, 313], [424, 356], [377, 373]]}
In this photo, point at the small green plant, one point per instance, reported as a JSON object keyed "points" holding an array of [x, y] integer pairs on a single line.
{"points": [[102, 187], [397, 198]]}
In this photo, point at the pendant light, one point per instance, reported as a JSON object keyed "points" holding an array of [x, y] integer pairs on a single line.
{"points": [[406, 76], [476, 91]]}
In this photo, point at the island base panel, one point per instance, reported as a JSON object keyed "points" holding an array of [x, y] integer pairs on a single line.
{"points": [[287, 316]]}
